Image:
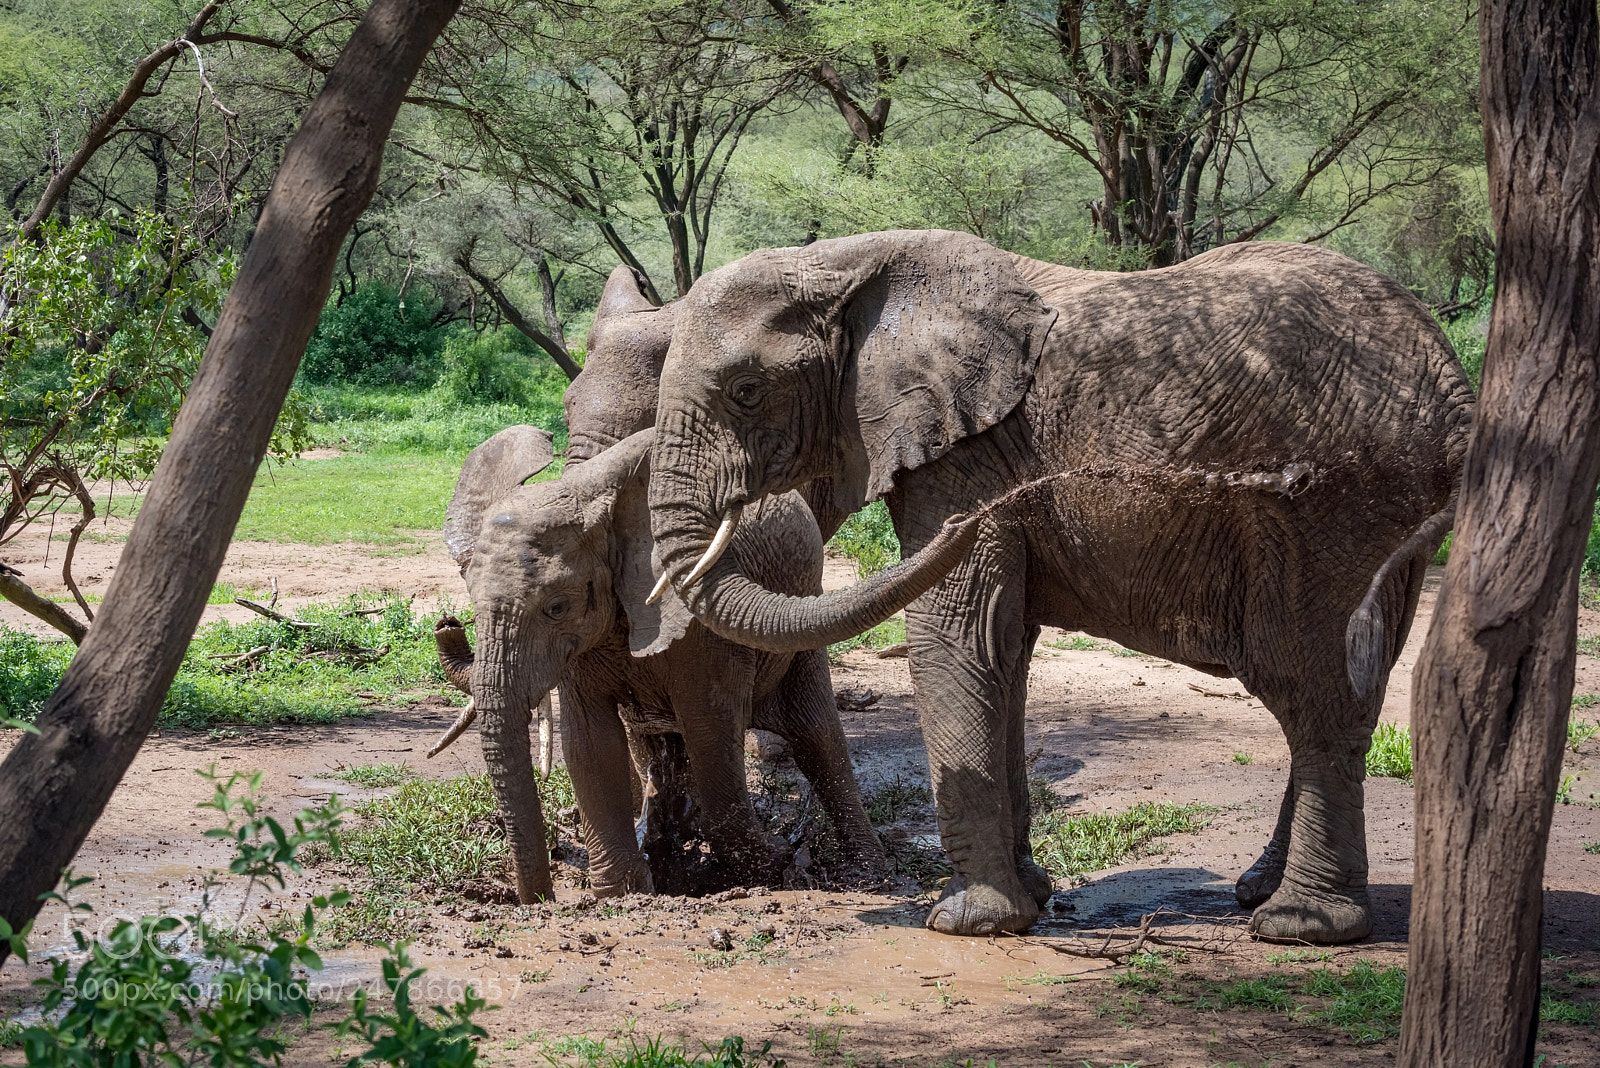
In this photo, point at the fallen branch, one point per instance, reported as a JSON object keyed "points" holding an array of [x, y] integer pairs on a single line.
{"points": [[229, 660], [1235, 696], [1117, 945], [19, 593], [263, 610]]}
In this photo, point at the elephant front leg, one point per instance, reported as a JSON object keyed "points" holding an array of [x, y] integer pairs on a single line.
{"points": [[967, 644], [804, 713], [1259, 883], [1034, 879], [596, 746]]}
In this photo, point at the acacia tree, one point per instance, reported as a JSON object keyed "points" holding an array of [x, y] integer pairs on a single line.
{"points": [[54, 785], [1493, 686], [1167, 103]]}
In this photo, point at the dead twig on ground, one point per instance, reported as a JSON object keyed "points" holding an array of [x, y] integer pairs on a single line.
{"points": [[263, 610], [1235, 696], [227, 661]]}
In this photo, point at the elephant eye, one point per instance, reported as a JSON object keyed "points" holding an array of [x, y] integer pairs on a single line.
{"points": [[556, 608], [745, 392]]}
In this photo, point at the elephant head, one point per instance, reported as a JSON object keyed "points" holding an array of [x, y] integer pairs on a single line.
{"points": [[615, 396], [853, 360], [547, 567]]}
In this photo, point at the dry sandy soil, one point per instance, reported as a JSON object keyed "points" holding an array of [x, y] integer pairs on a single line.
{"points": [[852, 978]]}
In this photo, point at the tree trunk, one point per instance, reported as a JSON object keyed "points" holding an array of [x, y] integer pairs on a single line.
{"points": [[53, 786], [1494, 683]]}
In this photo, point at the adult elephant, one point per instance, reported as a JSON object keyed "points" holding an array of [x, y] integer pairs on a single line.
{"points": [[558, 573], [1242, 464]]}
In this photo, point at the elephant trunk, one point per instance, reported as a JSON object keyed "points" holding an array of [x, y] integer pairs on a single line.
{"points": [[455, 655], [732, 605], [505, 688]]}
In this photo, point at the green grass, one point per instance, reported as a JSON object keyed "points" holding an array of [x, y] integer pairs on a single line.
{"points": [[896, 799], [1591, 847], [578, 1051], [868, 538], [1364, 1002], [1578, 732], [889, 632], [376, 775], [1243, 758], [1390, 754], [1269, 993], [1553, 1009], [1068, 846], [299, 675]]}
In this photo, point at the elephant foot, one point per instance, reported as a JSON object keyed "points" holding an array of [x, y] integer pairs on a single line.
{"points": [[1265, 875], [632, 880], [981, 910], [1296, 914], [1035, 881]]}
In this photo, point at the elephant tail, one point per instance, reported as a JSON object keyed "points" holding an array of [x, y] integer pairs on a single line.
{"points": [[1365, 655]]}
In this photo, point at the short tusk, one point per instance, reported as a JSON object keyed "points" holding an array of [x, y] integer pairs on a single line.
{"points": [[661, 587], [547, 739], [718, 546], [457, 729]]}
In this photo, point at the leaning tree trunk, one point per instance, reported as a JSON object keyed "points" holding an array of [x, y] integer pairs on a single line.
{"points": [[1494, 683], [53, 786]]}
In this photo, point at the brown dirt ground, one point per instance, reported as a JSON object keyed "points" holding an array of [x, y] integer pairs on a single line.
{"points": [[852, 978]]}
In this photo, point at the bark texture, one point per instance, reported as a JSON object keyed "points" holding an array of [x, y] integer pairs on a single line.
{"points": [[1494, 683], [53, 786]]}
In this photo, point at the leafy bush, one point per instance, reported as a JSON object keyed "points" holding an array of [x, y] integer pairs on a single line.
{"points": [[29, 672], [376, 339], [391, 420], [492, 367], [1390, 753], [868, 538]]}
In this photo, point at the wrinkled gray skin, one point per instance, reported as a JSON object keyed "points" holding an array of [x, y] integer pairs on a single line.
{"points": [[558, 573], [1252, 457]]}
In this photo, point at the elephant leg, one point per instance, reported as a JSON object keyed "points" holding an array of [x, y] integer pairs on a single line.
{"points": [[968, 645], [711, 700], [669, 825], [803, 712], [1035, 880], [1261, 881], [596, 745]]}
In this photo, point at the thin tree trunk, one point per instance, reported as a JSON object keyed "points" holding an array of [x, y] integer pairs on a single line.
{"points": [[53, 786], [558, 352], [1494, 683]]}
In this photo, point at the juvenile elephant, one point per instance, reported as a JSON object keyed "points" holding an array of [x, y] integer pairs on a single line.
{"points": [[1242, 463], [558, 573]]}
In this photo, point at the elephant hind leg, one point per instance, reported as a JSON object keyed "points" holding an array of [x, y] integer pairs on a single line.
{"points": [[1264, 877]]}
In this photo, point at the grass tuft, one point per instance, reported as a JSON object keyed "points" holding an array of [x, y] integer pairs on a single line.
{"points": [[1067, 846], [896, 799], [1364, 1002], [376, 775], [1578, 732], [890, 632], [1243, 759], [1390, 754]]}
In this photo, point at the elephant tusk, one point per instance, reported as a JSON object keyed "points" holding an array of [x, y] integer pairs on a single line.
{"points": [[547, 741], [718, 546], [457, 729]]}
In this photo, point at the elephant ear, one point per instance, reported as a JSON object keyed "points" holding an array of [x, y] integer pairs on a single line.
{"points": [[946, 335], [492, 470], [618, 489]]}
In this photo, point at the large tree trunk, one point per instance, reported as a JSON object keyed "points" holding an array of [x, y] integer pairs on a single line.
{"points": [[53, 786], [1494, 683]]}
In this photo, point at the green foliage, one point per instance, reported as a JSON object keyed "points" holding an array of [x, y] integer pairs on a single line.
{"points": [[29, 671], [386, 500], [1243, 758], [1390, 754], [377, 775], [170, 991], [493, 367], [1578, 732], [896, 799], [868, 538], [580, 1052], [1269, 993], [375, 338], [891, 631], [1364, 1002], [1553, 1009], [389, 421], [296, 675], [1468, 335], [1067, 846]]}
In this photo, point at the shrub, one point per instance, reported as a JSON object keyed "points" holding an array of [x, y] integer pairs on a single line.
{"points": [[1390, 754], [868, 538], [375, 339], [491, 367]]}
